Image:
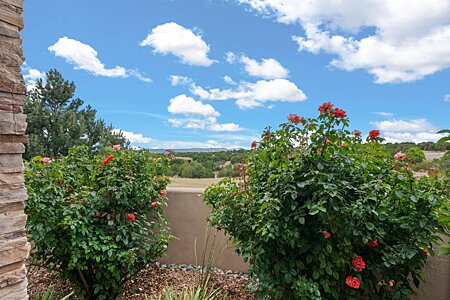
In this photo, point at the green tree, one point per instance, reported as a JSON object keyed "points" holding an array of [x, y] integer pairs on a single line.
{"points": [[57, 121]]}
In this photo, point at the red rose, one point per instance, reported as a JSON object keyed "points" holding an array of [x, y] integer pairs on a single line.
{"points": [[326, 234], [356, 133], [358, 263], [163, 192], [372, 244], [97, 215], [339, 113], [425, 250], [374, 134], [344, 144], [352, 282], [108, 159], [130, 217], [326, 108], [293, 118], [154, 204], [254, 145]]}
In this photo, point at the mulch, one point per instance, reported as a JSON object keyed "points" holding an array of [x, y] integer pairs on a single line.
{"points": [[151, 281]]}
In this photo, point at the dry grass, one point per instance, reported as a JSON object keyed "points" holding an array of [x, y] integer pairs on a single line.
{"points": [[192, 182]]}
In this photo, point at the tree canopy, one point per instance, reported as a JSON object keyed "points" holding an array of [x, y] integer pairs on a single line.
{"points": [[57, 121]]}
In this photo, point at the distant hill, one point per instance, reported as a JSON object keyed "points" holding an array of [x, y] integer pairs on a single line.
{"points": [[192, 150]]}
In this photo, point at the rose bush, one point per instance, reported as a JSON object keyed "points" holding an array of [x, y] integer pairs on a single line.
{"points": [[97, 221], [320, 214]]}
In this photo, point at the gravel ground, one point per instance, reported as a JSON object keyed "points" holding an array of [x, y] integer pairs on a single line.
{"points": [[151, 281]]}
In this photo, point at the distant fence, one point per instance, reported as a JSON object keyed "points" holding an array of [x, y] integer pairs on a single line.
{"points": [[187, 216]]}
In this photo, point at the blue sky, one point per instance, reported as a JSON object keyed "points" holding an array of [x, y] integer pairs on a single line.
{"points": [[212, 73]]}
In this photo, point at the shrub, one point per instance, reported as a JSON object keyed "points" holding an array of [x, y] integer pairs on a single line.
{"points": [[228, 171], [97, 221], [319, 214], [195, 170]]}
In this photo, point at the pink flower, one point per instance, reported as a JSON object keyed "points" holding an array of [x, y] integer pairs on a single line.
{"points": [[326, 234], [130, 217], [356, 133], [254, 145], [154, 204], [46, 160], [163, 192], [116, 147], [358, 263], [344, 144], [400, 156]]}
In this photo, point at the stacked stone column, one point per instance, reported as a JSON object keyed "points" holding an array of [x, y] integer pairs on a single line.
{"points": [[14, 247]]}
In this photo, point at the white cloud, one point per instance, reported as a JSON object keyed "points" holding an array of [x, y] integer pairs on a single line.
{"points": [[447, 98], [84, 57], [406, 41], [134, 137], [417, 131], [251, 95], [183, 104], [171, 38], [139, 139], [417, 137], [418, 125], [180, 80], [230, 57], [229, 80], [268, 68], [31, 76], [384, 114], [209, 123]]}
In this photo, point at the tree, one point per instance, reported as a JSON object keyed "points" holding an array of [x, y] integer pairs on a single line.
{"points": [[57, 121]]}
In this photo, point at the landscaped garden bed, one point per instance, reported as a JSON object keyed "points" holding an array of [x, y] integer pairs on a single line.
{"points": [[151, 281]]}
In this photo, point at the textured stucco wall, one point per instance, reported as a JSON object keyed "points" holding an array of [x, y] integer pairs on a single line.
{"points": [[14, 247], [187, 216]]}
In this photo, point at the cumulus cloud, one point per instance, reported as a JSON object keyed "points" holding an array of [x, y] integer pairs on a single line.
{"points": [[84, 57], [180, 80], [199, 115], [31, 76], [406, 40], [171, 38], [417, 131], [250, 95], [268, 68], [138, 138], [230, 57], [385, 114], [183, 104]]}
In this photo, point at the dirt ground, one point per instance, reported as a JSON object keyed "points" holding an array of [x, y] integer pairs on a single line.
{"points": [[192, 182]]}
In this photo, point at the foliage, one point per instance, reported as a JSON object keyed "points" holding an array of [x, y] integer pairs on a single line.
{"points": [[415, 155], [48, 295], [228, 171], [319, 214], [192, 294], [57, 121], [97, 221]]}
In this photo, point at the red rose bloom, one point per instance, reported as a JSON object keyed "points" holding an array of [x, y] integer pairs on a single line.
{"points": [[163, 192], [339, 113], [326, 234], [154, 204], [344, 144], [358, 263], [326, 108], [130, 217], [108, 159], [372, 244], [294, 119], [254, 145], [374, 134], [356, 133], [352, 282]]}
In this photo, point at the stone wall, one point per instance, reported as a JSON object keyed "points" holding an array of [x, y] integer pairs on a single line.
{"points": [[14, 247]]}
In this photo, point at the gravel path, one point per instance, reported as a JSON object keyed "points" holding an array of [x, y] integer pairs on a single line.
{"points": [[151, 282]]}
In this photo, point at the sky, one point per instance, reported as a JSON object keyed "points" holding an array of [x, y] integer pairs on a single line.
{"points": [[215, 73]]}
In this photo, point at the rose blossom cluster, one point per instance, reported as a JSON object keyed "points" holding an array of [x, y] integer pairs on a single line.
{"points": [[108, 159]]}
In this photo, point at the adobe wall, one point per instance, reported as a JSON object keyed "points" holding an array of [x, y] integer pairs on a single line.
{"points": [[187, 216], [14, 247]]}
